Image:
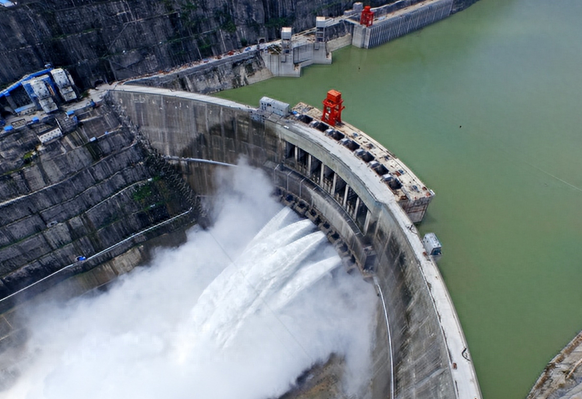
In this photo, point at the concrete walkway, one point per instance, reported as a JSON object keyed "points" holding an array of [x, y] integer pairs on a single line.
{"points": [[460, 363]]}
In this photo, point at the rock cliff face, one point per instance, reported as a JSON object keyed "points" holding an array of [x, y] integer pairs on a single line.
{"points": [[114, 40], [236, 71], [92, 193]]}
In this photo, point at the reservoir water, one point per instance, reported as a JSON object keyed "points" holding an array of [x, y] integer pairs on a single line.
{"points": [[486, 107]]}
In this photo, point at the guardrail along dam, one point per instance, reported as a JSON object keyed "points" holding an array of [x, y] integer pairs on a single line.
{"points": [[361, 197]]}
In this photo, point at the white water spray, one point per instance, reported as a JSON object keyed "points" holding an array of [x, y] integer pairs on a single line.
{"points": [[225, 315]]}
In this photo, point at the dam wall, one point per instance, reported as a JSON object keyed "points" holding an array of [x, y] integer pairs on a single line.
{"points": [[420, 348], [390, 25]]}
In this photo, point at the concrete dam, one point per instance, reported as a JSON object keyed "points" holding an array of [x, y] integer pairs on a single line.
{"points": [[334, 177], [420, 347]]}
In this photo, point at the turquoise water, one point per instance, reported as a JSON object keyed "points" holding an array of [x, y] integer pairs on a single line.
{"points": [[486, 108]]}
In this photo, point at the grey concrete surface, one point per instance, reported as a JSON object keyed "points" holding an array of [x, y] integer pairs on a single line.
{"points": [[562, 377], [425, 355]]}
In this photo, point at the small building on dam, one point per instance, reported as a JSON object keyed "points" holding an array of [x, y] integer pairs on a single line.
{"points": [[357, 192]]}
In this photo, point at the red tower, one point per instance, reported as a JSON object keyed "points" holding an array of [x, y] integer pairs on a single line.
{"points": [[332, 108], [367, 17]]}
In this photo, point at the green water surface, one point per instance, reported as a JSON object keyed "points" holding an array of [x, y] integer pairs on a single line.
{"points": [[486, 108]]}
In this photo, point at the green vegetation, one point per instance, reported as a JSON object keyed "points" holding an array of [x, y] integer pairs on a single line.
{"points": [[109, 220], [11, 171], [190, 6], [254, 25], [278, 23], [142, 193], [205, 46], [225, 19], [228, 26], [29, 155]]}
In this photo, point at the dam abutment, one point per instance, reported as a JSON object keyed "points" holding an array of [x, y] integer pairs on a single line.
{"points": [[420, 348]]}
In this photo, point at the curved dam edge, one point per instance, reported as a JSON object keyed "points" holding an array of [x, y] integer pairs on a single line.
{"points": [[429, 352]]}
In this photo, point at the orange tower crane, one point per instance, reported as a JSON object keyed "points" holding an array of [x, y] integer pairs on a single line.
{"points": [[332, 108], [367, 17]]}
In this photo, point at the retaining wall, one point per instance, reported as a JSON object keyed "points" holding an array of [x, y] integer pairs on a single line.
{"points": [[399, 23]]}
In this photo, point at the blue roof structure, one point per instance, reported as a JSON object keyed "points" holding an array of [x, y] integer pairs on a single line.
{"points": [[14, 86]]}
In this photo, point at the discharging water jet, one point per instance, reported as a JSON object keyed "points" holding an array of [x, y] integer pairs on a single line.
{"points": [[202, 322]]}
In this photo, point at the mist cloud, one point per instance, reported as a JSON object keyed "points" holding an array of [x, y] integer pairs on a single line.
{"points": [[222, 316]]}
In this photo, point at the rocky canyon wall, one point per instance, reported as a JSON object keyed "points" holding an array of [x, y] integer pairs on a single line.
{"points": [[118, 39]]}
